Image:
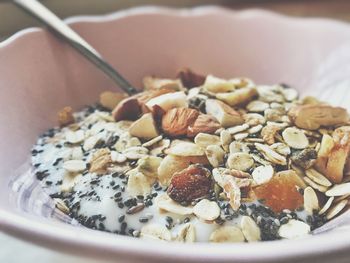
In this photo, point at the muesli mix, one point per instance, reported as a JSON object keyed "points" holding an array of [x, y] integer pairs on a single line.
{"points": [[199, 159]]}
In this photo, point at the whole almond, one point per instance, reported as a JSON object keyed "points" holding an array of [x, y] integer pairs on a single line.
{"points": [[176, 121], [127, 109]]}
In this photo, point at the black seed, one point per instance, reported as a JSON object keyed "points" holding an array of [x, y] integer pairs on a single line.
{"points": [[143, 219], [121, 218]]}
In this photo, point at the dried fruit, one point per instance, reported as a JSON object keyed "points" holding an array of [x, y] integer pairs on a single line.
{"points": [[127, 109], [263, 174], [65, 116], [176, 121], [240, 161], [144, 127], [294, 229], [312, 117], [305, 158], [189, 184], [190, 79], [295, 138], [226, 116], [281, 192], [203, 124], [250, 229], [110, 99], [227, 234], [206, 210], [237, 97]]}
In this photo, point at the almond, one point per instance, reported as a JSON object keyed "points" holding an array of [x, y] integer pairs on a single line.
{"points": [[144, 127], [312, 117], [127, 109], [237, 97], [190, 79], [203, 124], [226, 116], [65, 116], [189, 184], [176, 121]]}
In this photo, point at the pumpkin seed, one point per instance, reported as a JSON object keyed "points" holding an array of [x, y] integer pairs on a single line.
{"points": [[339, 190], [310, 200], [336, 209]]}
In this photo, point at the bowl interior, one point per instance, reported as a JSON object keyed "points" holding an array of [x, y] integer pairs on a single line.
{"points": [[39, 75]]}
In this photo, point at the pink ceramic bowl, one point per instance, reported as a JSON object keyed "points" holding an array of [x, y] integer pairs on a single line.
{"points": [[39, 75]]}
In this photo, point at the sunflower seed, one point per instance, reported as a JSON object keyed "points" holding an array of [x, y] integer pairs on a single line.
{"points": [[316, 186], [318, 177], [250, 229], [255, 129], [336, 209], [271, 155], [326, 206], [310, 200], [339, 190], [240, 136]]}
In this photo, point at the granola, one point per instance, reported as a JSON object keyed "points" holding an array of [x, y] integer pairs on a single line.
{"points": [[199, 159]]}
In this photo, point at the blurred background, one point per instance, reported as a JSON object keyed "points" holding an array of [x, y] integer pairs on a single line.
{"points": [[12, 19]]}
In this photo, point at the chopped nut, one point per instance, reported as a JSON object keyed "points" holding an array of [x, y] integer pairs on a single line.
{"points": [[257, 106], [149, 165], [151, 83], [203, 124], [206, 210], [65, 116], [169, 101], [215, 85], [237, 97], [100, 160], [312, 117], [176, 121], [127, 109], [305, 158], [138, 184], [269, 132], [110, 100], [185, 148], [254, 119], [190, 79], [189, 184], [226, 116], [144, 127], [225, 139], [270, 154]]}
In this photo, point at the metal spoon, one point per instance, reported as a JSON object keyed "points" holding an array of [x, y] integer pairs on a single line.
{"points": [[54, 23]]}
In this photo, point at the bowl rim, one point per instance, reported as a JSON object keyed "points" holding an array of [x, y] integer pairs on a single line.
{"points": [[64, 239]]}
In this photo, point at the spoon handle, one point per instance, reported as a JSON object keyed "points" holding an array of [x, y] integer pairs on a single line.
{"points": [[48, 18]]}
